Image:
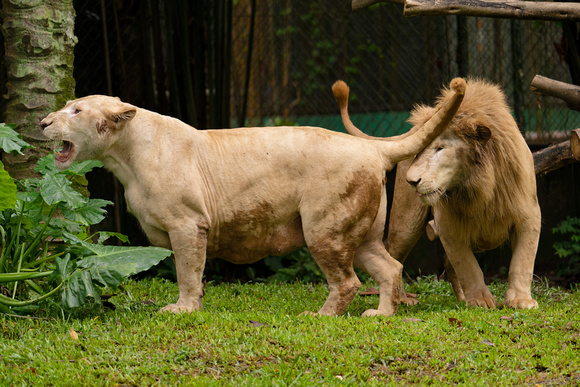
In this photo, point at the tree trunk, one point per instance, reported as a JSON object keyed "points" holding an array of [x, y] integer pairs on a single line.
{"points": [[39, 43]]}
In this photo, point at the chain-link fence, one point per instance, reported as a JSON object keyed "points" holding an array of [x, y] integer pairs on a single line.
{"points": [[299, 48]]}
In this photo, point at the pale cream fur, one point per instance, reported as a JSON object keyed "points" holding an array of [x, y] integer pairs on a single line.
{"points": [[242, 194], [477, 180]]}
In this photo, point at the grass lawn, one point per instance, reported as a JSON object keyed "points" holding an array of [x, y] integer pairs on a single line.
{"points": [[252, 335]]}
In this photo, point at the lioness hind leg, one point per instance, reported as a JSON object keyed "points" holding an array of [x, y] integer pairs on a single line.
{"points": [[374, 259], [342, 280]]}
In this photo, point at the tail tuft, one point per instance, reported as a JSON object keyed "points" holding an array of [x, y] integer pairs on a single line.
{"points": [[457, 85], [340, 91]]}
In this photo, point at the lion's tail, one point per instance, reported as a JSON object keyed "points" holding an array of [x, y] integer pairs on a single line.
{"points": [[402, 147]]}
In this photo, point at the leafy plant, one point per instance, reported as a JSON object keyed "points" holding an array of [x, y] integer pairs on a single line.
{"points": [[569, 248], [46, 244]]}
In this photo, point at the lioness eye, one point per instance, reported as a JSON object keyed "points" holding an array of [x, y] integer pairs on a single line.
{"points": [[77, 111], [440, 148]]}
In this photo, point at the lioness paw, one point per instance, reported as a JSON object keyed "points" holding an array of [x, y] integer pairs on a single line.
{"points": [[410, 301], [376, 312], [484, 302], [521, 303], [175, 308]]}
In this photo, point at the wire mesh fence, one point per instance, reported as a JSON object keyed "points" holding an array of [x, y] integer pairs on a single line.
{"points": [[299, 48]]}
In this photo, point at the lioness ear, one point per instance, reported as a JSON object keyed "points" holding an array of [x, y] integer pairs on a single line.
{"points": [[120, 115]]}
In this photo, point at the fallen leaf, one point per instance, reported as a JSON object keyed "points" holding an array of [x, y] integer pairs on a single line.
{"points": [[256, 323], [73, 335], [455, 322], [370, 292], [509, 318], [488, 343], [411, 320]]}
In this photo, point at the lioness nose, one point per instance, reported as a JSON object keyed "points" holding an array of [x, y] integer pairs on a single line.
{"points": [[44, 123], [414, 182]]}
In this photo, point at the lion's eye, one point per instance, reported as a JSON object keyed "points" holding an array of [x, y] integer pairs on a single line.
{"points": [[77, 111], [439, 148]]}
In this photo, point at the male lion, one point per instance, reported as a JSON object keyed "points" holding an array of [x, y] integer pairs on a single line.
{"points": [[477, 180], [242, 194]]}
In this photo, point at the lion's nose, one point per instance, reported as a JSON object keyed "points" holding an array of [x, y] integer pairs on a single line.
{"points": [[414, 182]]}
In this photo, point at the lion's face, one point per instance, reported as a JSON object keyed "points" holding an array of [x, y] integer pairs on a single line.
{"points": [[446, 162], [85, 127]]}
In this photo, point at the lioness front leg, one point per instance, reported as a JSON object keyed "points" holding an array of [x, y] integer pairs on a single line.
{"points": [[189, 245], [468, 271], [524, 247]]}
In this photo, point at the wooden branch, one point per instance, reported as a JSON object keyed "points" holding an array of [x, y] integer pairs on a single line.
{"points": [[509, 9], [561, 90], [431, 231]]}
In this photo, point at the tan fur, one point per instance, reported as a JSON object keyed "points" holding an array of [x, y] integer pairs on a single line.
{"points": [[242, 194], [477, 180]]}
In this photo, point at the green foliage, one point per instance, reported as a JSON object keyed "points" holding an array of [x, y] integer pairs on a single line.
{"points": [[297, 266], [46, 244], [570, 248]]}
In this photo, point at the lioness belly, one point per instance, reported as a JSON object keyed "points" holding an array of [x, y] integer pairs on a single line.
{"points": [[238, 244]]}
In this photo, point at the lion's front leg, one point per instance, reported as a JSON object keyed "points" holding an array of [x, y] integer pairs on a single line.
{"points": [[524, 247], [189, 244], [467, 269]]}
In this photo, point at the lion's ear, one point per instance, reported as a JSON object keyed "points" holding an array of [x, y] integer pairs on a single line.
{"points": [[478, 132]]}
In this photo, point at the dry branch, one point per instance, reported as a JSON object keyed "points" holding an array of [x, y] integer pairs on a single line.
{"points": [[515, 9], [561, 90], [510, 9]]}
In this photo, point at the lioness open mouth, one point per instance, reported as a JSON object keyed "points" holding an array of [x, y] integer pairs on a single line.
{"points": [[65, 153]]}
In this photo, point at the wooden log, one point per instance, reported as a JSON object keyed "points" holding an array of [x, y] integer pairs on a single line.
{"points": [[575, 144], [553, 157], [509, 9], [561, 90]]}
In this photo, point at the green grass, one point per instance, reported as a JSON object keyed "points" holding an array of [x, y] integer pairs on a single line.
{"points": [[252, 335]]}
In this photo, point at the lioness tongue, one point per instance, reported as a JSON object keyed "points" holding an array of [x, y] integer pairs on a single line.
{"points": [[64, 154]]}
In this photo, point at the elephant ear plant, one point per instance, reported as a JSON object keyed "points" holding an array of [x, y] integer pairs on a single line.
{"points": [[46, 247]]}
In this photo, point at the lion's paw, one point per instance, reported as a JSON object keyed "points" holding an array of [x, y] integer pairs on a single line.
{"points": [[483, 302], [177, 309], [376, 312], [521, 303]]}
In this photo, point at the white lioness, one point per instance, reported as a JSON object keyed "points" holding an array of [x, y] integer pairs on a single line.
{"points": [[477, 180], [242, 194]]}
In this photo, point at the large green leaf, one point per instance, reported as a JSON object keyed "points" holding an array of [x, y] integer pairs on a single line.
{"points": [[10, 140], [91, 213], [77, 288], [46, 166], [143, 257], [7, 190], [56, 188]]}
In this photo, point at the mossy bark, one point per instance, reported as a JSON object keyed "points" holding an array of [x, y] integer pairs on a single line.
{"points": [[39, 53]]}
